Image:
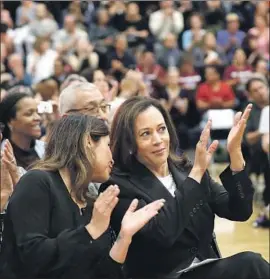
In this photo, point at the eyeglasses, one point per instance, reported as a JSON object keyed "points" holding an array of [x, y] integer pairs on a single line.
{"points": [[2, 127], [93, 109]]}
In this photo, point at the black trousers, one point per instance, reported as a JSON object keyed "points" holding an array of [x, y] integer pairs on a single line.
{"points": [[245, 265]]}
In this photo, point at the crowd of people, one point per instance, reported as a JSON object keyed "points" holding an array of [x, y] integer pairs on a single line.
{"points": [[99, 102]]}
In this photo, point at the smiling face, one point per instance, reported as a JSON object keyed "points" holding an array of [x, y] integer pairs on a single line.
{"points": [[152, 138], [27, 120]]}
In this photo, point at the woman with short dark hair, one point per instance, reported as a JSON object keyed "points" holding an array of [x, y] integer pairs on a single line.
{"points": [[19, 114], [53, 227]]}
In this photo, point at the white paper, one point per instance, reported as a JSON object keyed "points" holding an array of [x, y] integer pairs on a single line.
{"points": [[221, 118]]}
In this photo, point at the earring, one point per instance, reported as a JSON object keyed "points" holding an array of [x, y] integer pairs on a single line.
{"points": [[130, 152]]}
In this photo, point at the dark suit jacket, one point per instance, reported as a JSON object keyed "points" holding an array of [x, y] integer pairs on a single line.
{"points": [[45, 234], [183, 229]]}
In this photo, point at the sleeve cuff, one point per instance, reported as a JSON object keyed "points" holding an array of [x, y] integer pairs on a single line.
{"points": [[103, 242]]}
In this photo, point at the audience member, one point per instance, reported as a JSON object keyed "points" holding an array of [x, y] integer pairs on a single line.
{"points": [[257, 159], [67, 233], [231, 38], [148, 167], [166, 21], [19, 114], [193, 36], [214, 93]]}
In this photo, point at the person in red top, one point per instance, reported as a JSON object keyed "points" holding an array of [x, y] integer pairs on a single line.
{"points": [[214, 93]]}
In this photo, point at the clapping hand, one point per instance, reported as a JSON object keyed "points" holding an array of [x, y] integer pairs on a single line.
{"points": [[9, 160], [6, 179], [134, 219], [235, 138], [203, 153], [102, 211]]}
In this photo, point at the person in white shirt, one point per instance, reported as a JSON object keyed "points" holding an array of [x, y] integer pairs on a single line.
{"points": [[166, 20], [64, 40], [40, 62], [264, 129]]}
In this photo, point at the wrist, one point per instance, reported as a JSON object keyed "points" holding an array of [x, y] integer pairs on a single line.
{"points": [[124, 237], [197, 173], [6, 193], [237, 161], [93, 231]]}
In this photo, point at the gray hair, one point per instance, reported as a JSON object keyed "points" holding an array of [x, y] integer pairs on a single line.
{"points": [[68, 97]]}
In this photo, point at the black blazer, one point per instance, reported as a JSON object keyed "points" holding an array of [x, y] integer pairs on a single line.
{"points": [[45, 234], [183, 229]]}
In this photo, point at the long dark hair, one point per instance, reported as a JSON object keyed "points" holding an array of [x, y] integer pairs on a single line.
{"points": [[66, 149], [123, 143]]}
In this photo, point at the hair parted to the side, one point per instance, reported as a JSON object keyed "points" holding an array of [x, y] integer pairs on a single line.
{"points": [[66, 149], [123, 139]]}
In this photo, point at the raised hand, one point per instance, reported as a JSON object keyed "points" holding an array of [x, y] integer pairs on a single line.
{"points": [[235, 136], [235, 139], [203, 153], [6, 185], [102, 211], [10, 162], [134, 219]]}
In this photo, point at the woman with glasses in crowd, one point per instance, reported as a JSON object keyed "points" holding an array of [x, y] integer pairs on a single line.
{"points": [[148, 166], [53, 227]]}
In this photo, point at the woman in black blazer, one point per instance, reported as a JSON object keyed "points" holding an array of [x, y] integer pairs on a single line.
{"points": [[147, 167], [53, 227]]}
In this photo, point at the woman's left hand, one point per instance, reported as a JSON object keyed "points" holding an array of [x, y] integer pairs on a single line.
{"points": [[235, 136], [133, 220]]}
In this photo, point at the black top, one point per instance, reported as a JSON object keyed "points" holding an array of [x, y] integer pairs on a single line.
{"points": [[184, 226], [25, 158], [45, 234]]}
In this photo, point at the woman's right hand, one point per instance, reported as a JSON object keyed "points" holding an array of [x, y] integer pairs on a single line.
{"points": [[203, 155], [102, 211], [9, 159]]}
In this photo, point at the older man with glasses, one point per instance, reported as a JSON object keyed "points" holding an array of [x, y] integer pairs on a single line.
{"points": [[85, 98]]}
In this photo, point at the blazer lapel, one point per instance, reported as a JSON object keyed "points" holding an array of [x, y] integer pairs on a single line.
{"points": [[178, 176], [147, 182]]}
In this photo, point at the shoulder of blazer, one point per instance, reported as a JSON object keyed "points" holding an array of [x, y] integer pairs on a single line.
{"points": [[118, 172], [115, 174]]}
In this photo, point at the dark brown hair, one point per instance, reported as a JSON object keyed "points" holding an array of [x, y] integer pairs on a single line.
{"points": [[66, 149], [123, 142]]}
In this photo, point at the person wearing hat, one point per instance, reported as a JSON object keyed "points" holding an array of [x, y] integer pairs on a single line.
{"points": [[231, 38]]}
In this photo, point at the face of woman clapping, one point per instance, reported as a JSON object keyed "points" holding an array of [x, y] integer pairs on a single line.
{"points": [[103, 160], [152, 139]]}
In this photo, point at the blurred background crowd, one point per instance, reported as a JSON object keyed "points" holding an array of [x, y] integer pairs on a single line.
{"points": [[194, 56]]}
